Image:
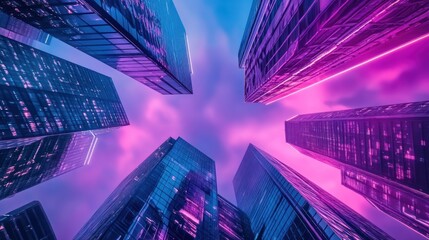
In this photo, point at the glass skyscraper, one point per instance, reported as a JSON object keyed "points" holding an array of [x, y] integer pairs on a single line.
{"points": [[290, 45], [282, 204], [144, 39], [27, 222], [42, 95], [24, 166], [233, 222], [171, 195], [409, 207], [383, 153]]}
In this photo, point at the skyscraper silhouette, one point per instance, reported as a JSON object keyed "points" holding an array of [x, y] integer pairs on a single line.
{"points": [[289, 45], [382, 152], [44, 95], [171, 195], [27, 222], [282, 204], [145, 39]]}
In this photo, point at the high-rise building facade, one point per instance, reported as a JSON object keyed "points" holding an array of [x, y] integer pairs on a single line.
{"points": [[27, 222], [383, 149], [282, 204], [145, 40], [29, 164], [171, 195], [42, 95], [409, 207], [388, 141], [233, 222], [290, 45]]}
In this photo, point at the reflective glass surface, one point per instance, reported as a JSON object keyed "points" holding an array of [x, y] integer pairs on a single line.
{"points": [[171, 195], [382, 151], [27, 222], [289, 45], [41, 95], [389, 141], [233, 222], [33, 162], [144, 39], [282, 204], [409, 207]]}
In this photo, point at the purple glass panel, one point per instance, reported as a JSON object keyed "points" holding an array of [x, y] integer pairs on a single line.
{"points": [[290, 45], [383, 152]]}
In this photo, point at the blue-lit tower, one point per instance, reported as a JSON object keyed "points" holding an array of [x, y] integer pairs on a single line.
{"points": [[145, 39], [282, 204], [27, 222], [26, 165], [42, 95], [171, 195]]}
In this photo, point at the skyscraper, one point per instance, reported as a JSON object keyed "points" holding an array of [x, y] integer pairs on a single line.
{"points": [[290, 45], [282, 204], [383, 153], [172, 194], [233, 222], [145, 39], [409, 207], [42, 95], [29, 164], [26, 222]]}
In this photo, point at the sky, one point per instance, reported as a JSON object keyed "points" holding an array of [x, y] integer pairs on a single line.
{"points": [[216, 120]]}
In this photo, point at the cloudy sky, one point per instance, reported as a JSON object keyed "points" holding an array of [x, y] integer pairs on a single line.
{"points": [[216, 120]]}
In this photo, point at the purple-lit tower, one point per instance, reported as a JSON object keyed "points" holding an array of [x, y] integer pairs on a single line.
{"points": [[290, 45], [409, 207], [233, 222], [282, 204], [144, 39], [27, 222], [171, 195], [27, 164], [383, 153]]}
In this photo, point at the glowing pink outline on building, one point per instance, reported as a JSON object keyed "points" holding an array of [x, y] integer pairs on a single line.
{"points": [[352, 68]]}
